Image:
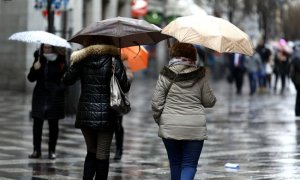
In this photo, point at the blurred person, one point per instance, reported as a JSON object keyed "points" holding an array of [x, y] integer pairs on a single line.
{"points": [[151, 70], [48, 96], [182, 93], [253, 66], [201, 58], [262, 77], [119, 130], [294, 72], [237, 70], [264, 54], [96, 119], [269, 71], [280, 68]]}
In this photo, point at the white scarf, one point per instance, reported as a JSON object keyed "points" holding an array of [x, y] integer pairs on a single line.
{"points": [[50, 56], [183, 61]]}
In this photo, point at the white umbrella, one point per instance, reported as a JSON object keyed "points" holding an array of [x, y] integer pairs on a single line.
{"points": [[39, 37], [211, 32]]}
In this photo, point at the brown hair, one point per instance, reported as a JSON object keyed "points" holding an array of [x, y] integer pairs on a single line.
{"points": [[55, 49], [183, 50]]}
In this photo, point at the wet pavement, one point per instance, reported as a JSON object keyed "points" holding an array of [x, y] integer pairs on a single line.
{"points": [[258, 132]]}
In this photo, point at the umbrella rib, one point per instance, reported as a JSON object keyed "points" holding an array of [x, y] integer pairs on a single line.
{"points": [[139, 48], [153, 40]]}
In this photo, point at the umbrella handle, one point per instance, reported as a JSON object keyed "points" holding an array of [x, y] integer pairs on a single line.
{"points": [[168, 43], [139, 48], [40, 51], [37, 65]]}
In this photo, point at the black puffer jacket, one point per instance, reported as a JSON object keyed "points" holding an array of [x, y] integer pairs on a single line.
{"points": [[93, 66], [48, 94]]}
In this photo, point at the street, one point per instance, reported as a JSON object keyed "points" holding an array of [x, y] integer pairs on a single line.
{"points": [[260, 133]]}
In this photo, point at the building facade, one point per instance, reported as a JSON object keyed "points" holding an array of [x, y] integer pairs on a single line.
{"points": [[16, 58]]}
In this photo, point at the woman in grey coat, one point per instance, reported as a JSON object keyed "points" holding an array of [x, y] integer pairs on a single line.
{"points": [[182, 93]]}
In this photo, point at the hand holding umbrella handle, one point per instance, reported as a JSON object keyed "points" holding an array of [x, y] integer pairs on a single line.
{"points": [[37, 65]]}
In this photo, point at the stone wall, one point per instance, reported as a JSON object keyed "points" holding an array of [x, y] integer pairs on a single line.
{"points": [[13, 18]]}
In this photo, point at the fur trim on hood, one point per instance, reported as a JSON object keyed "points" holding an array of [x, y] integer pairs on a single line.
{"points": [[94, 50]]}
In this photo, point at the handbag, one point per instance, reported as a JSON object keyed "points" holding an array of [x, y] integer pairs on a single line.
{"points": [[119, 100]]}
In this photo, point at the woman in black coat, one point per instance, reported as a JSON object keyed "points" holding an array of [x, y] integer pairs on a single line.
{"points": [[96, 119], [48, 96]]}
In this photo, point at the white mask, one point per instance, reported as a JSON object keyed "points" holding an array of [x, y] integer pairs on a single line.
{"points": [[50, 56]]}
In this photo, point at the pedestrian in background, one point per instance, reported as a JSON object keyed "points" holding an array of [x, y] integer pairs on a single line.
{"points": [[119, 131], [269, 71], [281, 61], [264, 74], [96, 119], [294, 72], [182, 93], [237, 70], [48, 96], [253, 66]]}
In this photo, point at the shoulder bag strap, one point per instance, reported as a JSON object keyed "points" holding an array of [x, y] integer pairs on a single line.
{"points": [[113, 65], [172, 81]]}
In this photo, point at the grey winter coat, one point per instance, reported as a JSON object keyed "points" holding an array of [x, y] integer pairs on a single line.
{"points": [[93, 66], [181, 113]]}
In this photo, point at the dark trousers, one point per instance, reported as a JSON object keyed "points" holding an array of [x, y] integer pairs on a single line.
{"points": [[238, 75], [119, 134], [252, 81], [183, 157], [268, 81], [282, 78], [297, 105], [98, 149], [38, 131]]}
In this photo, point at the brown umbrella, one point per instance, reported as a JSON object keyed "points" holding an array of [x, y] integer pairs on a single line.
{"points": [[121, 32]]}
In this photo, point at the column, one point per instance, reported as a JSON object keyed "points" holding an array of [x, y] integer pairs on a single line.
{"points": [[111, 9]]}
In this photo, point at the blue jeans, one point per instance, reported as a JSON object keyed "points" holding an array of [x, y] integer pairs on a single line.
{"points": [[183, 157], [252, 82]]}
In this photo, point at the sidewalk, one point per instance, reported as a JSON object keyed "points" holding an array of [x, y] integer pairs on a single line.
{"points": [[259, 133]]}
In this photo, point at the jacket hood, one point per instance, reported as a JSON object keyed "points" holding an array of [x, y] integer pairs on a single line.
{"points": [[82, 54], [182, 75]]}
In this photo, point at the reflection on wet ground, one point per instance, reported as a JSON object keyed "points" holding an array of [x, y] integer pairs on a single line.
{"points": [[258, 132]]}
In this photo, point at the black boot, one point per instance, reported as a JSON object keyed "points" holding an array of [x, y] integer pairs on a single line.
{"points": [[89, 166], [119, 135], [53, 135], [35, 155], [118, 154], [51, 155], [102, 169]]}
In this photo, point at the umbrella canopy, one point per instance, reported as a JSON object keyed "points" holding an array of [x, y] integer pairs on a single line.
{"points": [[39, 37], [137, 57], [119, 31], [211, 32]]}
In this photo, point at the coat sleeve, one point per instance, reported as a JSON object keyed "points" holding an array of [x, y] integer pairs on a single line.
{"points": [[159, 98], [72, 74], [120, 73], [33, 74], [208, 98]]}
